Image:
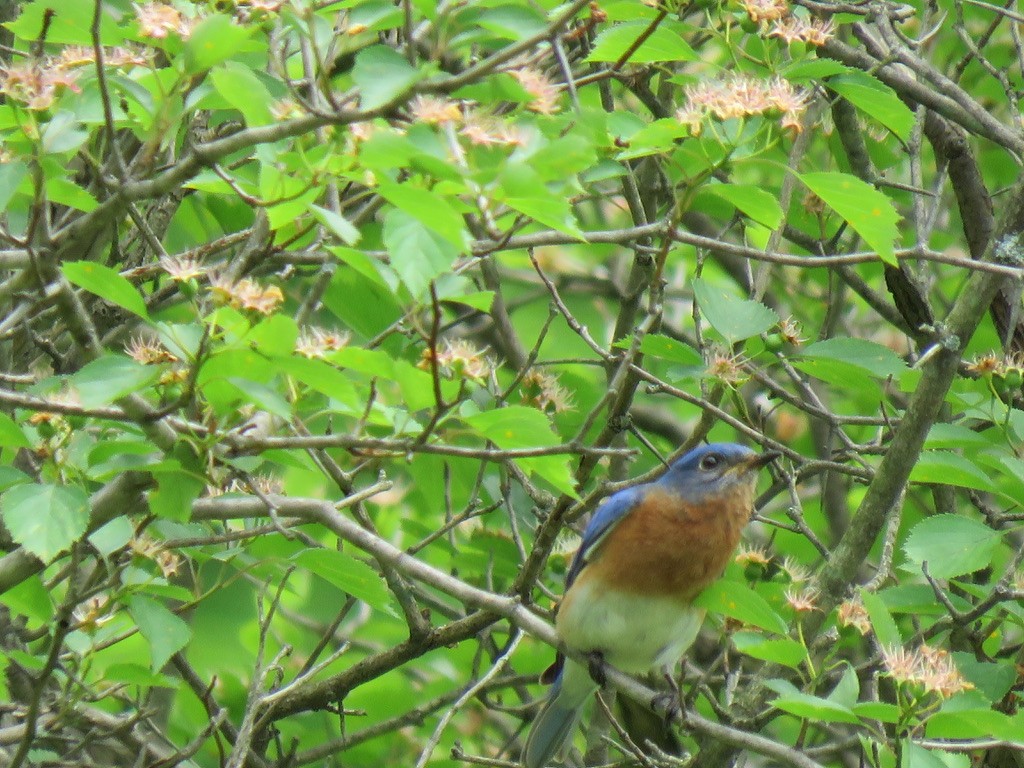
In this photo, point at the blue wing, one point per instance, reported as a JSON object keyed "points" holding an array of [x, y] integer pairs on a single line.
{"points": [[616, 507]]}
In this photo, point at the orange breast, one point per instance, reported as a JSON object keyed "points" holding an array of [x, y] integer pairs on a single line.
{"points": [[665, 547]]}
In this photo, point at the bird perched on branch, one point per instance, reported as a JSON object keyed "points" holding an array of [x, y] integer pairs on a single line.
{"points": [[646, 554]]}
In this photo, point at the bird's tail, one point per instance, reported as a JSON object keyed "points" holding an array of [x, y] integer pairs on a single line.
{"points": [[554, 724]]}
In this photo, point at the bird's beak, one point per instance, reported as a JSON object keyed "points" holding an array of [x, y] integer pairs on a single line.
{"points": [[760, 460]]}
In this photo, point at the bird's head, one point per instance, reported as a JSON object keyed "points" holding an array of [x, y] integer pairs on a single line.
{"points": [[715, 470]]}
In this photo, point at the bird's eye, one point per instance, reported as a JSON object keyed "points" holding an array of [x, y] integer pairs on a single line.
{"points": [[710, 461]]}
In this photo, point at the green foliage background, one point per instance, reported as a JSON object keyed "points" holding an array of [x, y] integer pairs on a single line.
{"points": [[326, 325]]}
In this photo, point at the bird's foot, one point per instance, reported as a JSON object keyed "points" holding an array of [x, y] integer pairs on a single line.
{"points": [[595, 665], [669, 703]]}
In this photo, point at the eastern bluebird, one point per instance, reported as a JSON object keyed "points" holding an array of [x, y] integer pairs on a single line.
{"points": [[646, 554]]}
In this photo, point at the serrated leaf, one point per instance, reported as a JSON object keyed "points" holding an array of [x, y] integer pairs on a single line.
{"points": [[165, 632], [348, 574], [808, 706], [738, 601], [111, 377], [872, 358], [663, 44], [876, 99], [520, 427], [107, 284], [948, 468], [382, 74], [430, 209], [418, 254], [735, 318], [240, 87], [952, 545], [550, 210], [324, 378], [754, 202], [778, 650], [870, 213], [66, 192], [45, 519]]}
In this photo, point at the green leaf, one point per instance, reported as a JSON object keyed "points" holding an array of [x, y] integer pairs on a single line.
{"points": [[107, 284], [66, 192], [418, 253], [348, 574], [778, 650], [876, 99], [946, 468], [810, 707], [69, 23], [165, 632], [382, 74], [520, 427], [31, 599], [952, 545], [11, 435], [215, 39], [667, 348], [662, 45], [324, 378], [136, 674], [877, 710], [735, 318], [45, 519], [550, 210], [886, 631], [868, 211], [242, 89], [738, 601], [11, 174], [756, 203], [429, 208], [174, 494], [870, 357], [110, 378], [916, 756], [336, 223]]}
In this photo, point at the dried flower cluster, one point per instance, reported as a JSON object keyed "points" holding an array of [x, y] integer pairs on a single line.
{"points": [[741, 95], [148, 352], [36, 84], [457, 360], [182, 268], [778, 21], [246, 294], [727, 368], [158, 20], [543, 391], [543, 93], [931, 668], [81, 56], [852, 613], [316, 342]]}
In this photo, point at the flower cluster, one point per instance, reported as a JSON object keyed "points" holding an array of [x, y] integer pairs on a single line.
{"points": [[457, 359], [852, 613], [148, 352], [775, 16], [542, 92], [81, 56], [158, 20], [543, 391], [246, 294], [930, 668], [36, 84], [741, 95], [316, 342]]}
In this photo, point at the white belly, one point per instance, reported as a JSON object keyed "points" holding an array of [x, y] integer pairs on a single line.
{"points": [[634, 633]]}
